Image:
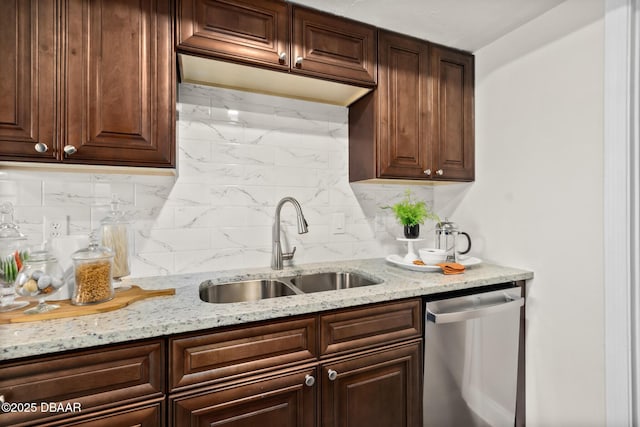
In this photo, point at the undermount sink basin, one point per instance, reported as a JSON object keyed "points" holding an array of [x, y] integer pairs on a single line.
{"points": [[259, 289], [250, 290], [330, 281]]}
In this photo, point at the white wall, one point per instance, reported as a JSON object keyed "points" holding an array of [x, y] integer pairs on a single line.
{"points": [[239, 153], [537, 201]]}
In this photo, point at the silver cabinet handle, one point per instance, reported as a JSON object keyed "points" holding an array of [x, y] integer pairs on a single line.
{"points": [[332, 374], [440, 172], [299, 61], [427, 172], [282, 57], [41, 147], [69, 150], [309, 380]]}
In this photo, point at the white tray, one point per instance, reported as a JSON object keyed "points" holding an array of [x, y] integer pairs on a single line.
{"points": [[399, 261]]}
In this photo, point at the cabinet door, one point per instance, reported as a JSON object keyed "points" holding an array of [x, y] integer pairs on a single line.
{"points": [[280, 400], [453, 123], [119, 84], [251, 31], [379, 389], [28, 44], [403, 91], [332, 47]]}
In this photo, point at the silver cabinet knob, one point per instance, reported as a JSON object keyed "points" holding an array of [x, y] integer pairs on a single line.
{"points": [[332, 374], [427, 172], [69, 150], [41, 147], [298, 61], [309, 380], [282, 57], [440, 172]]}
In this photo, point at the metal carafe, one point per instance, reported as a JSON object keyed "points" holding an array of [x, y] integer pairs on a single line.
{"points": [[447, 233]]}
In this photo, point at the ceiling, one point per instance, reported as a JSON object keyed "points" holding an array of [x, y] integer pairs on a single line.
{"points": [[463, 24]]}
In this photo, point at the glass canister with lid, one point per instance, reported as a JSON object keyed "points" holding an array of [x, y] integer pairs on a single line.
{"points": [[13, 253], [92, 268], [115, 236]]}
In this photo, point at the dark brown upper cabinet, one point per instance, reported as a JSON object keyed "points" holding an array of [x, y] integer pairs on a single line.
{"points": [[276, 35], [418, 123], [452, 129], [96, 87]]}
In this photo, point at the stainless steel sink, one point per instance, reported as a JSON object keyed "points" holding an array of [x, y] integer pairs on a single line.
{"points": [[330, 281], [258, 289], [250, 290]]}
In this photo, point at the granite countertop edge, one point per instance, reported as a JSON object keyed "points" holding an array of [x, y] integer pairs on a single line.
{"points": [[185, 312]]}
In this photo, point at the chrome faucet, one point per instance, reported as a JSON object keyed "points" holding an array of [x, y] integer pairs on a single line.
{"points": [[276, 254]]}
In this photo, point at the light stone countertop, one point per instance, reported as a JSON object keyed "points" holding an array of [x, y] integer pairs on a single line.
{"points": [[185, 312]]}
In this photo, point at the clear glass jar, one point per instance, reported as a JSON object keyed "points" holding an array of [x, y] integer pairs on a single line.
{"points": [[39, 277], [92, 267], [13, 253], [116, 236]]}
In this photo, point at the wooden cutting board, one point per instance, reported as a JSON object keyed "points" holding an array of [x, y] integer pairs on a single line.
{"points": [[122, 299]]}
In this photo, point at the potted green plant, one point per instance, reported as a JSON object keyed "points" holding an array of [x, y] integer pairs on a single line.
{"points": [[411, 214]]}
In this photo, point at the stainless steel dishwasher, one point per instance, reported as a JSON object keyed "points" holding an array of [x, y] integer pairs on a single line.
{"points": [[471, 360]]}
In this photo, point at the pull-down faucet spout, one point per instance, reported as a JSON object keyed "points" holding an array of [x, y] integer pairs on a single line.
{"points": [[276, 254]]}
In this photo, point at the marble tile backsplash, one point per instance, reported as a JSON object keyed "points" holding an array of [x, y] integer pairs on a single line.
{"points": [[239, 154]]}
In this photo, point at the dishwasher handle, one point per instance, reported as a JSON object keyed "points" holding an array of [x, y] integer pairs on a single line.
{"points": [[479, 311]]}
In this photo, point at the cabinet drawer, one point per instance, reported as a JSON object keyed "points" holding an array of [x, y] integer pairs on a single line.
{"points": [[281, 399], [149, 415], [351, 329], [233, 353], [92, 379]]}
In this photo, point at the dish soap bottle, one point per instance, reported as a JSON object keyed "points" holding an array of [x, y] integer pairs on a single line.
{"points": [[115, 236]]}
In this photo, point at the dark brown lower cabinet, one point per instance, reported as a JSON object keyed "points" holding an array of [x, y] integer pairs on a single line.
{"points": [[278, 400], [379, 389], [373, 388], [359, 366]]}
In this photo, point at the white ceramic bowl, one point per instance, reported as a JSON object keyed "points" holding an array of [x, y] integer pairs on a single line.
{"points": [[432, 256]]}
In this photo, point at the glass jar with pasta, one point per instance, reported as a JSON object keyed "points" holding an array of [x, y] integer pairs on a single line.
{"points": [[115, 236], [92, 269]]}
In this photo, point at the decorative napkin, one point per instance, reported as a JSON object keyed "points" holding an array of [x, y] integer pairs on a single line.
{"points": [[451, 267]]}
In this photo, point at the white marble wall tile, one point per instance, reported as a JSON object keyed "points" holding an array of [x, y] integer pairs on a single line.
{"points": [[152, 264], [244, 154], [236, 195], [240, 237], [68, 194], [172, 240], [211, 131], [196, 150], [24, 192]]}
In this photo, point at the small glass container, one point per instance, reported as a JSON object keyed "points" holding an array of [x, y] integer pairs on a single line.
{"points": [[92, 267], [115, 236], [13, 253], [39, 277]]}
